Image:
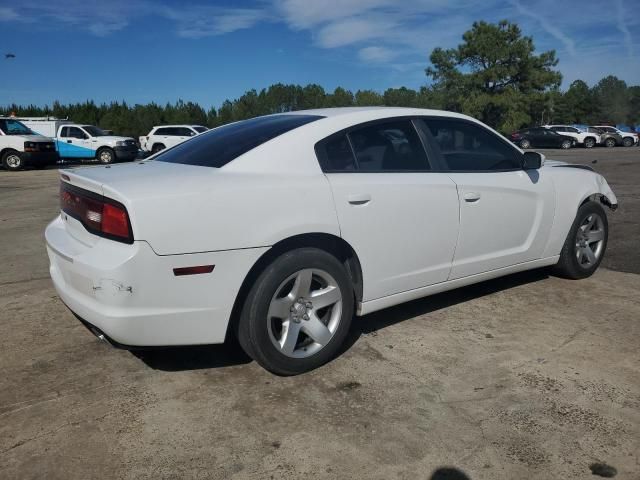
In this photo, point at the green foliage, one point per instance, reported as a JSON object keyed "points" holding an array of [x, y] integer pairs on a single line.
{"points": [[494, 75]]}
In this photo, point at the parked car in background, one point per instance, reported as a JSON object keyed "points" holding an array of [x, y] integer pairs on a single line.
{"points": [[20, 146], [627, 139], [608, 139], [586, 139], [541, 137], [166, 136], [88, 142], [270, 228]]}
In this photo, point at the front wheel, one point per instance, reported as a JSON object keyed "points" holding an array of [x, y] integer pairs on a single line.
{"points": [[586, 243], [106, 155], [11, 161], [298, 312]]}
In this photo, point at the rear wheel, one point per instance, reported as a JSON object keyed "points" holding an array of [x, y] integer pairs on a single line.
{"points": [[610, 142], [566, 144], [589, 142], [524, 143], [106, 155], [628, 142], [157, 147], [11, 160], [586, 243], [297, 314]]}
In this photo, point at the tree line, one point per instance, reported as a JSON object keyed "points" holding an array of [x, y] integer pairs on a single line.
{"points": [[493, 75]]}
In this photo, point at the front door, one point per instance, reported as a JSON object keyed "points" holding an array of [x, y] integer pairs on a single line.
{"points": [[506, 212], [73, 142]]}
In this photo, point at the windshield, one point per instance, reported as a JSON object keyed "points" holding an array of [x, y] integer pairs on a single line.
{"points": [[94, 131], [14, 127]]}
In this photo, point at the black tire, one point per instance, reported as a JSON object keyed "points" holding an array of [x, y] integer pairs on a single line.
{"points": [[11, 161], [628, 142], [157, 147], [524, 144], [253, 328], [610, 142], [568, 265], [566, 144], [106, 155], [589, 142]]}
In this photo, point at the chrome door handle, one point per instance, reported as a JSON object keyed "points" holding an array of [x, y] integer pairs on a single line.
{"points": [[471, 197], [359, 199]]}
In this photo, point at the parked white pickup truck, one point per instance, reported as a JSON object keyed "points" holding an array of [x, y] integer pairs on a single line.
{"points": [[586, 139], [75, 141], [166, 136], [19, 146]]}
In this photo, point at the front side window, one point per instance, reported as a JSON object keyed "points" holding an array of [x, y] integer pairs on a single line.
{"points": [[221, 145], [95, 131], [466, 146], [388, 146], [73, 132]]}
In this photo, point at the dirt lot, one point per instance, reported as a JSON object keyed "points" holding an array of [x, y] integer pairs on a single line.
{"points": [[528, 376]]}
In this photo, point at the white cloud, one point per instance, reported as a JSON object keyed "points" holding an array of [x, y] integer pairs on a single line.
{"points": [[375, 54], [7, 13], [198, 22], [550, 28]]}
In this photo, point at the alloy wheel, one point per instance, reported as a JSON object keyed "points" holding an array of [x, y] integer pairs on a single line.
{"points": [[590, 240], [13, 161], [304, 313]]}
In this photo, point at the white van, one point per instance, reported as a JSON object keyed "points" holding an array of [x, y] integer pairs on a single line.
{"points": [[19, 146]]}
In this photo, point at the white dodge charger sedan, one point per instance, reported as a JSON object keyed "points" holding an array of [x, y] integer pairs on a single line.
{"points": [[280, 228]]}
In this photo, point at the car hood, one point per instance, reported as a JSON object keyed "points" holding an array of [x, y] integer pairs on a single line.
{"points": [[33, 138]]}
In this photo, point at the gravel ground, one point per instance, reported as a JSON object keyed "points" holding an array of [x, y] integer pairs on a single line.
{"points": [[528, 376]]}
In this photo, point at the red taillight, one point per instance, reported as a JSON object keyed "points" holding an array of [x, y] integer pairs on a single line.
{"points": [[115, 221], [99, 215]]}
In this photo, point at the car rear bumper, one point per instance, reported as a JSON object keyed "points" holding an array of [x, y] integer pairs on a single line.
{"points": [[132, 296]]}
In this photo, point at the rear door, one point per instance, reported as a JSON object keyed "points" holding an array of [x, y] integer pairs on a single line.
{"points": [[506, 212], [397, 213]]}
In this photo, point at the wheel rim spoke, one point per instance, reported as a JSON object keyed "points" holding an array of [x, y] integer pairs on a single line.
{"points": [[595, 235], [325, 297], [302, 284], [317, 330], [289, 338], [591, 257], [280, 307]]}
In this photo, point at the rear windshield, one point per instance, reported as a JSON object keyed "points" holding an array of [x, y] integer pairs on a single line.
{"points": [[218, 147]]}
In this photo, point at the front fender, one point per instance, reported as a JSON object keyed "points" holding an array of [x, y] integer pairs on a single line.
{"points": [[573, 187]]}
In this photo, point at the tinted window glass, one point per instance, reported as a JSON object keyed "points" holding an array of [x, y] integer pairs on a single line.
{"points": [[200, 129], [162, 131], [388, 146], [335, 155], [185, 132], [64, 132], [221, 145], [75, 132], [14, 127], [469, 147]]}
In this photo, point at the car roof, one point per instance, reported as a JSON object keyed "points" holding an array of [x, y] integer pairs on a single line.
{"points": [[184, 125], [385, 111]]}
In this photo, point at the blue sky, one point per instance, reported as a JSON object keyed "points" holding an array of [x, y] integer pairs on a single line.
{"points": [[142, 51]]}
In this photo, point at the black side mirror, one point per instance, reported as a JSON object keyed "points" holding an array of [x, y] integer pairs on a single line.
{"points": [[531, 161]]}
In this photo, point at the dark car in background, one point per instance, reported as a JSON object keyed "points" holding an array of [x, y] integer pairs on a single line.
{"points": [[540, 137]]}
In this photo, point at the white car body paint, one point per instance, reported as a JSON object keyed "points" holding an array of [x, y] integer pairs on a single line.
{"points": [[574, 132], [415, 234]]}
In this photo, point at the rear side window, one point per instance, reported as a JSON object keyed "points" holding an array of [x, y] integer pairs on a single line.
{"points": [[388, 146], [162, 131], [468, 147], [335, 155], [221, 145]]}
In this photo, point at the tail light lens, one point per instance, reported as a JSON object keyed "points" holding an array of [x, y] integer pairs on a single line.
{"points": [[99, 215]]}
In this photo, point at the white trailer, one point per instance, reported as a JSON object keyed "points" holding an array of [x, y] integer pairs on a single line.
{"points": [[45, 126]]}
